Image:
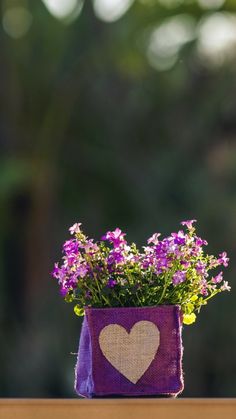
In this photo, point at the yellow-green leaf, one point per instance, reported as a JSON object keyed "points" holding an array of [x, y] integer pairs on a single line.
{"points": [[189, 318], [69, 298], [79, 311]]}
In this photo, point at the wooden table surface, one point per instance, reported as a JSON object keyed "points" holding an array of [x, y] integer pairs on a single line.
{"points": [[118, 409]]}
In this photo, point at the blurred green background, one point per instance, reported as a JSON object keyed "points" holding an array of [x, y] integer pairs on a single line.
{"points": [[112, 113]]}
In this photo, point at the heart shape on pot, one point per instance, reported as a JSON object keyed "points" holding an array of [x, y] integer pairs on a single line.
{"points": [[130, 353]]}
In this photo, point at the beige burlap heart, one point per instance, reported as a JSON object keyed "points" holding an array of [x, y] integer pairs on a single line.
{"points": [[130, 353]]}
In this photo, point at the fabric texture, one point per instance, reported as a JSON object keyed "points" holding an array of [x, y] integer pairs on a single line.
{"points": [[130, 351]]}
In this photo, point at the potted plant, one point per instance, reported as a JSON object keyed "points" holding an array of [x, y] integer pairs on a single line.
{"points": [[134, 304]]}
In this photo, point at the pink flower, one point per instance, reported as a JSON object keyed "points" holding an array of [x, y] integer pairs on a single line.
{"points": [[204, 290], [70, 260], [154, 238], [218, 278], [185, 264], [200, 242], [82, 271], [75, 228], [223, 259], [188, 223], [179, 238], [56, 271], [178, 277], [90, 247], [116, 237], [200, 268], [70, 246]]}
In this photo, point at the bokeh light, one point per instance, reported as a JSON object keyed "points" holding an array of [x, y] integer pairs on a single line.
{"points": [[111, 10], [64, 9], [166, 41], [217, 37], [211, 4], [16, 21]]}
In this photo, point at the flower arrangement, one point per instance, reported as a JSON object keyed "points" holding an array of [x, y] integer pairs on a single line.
{"points": [[112, 273]]}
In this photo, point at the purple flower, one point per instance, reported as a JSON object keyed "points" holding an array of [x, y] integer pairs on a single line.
{"points": [[88, 294], [72, 282], [178, 277], [225, 286], [218, 278], [111, 283], [162, 265], [59, 273], [185, 264], [147, 262], [169, 246], [179, 238], [66, 285], [70, 246], [148, 250], [70, 260], [90, 246], [200, 242], [204, 290], [134, 258], [201, 268], [158, 271], [56, 271], [75, 228], [223, 259], [195, 251], [213, 263], [188, 223], [63, 291], [154, 238], [163, 247], [178, 261], [116, 237], [82, 270], [115, 256]]}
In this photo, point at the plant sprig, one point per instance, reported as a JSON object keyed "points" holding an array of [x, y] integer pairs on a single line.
{"points": [[111, 273]]}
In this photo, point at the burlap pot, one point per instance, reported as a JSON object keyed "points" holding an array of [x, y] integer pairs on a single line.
{"points": [[130, 351]]}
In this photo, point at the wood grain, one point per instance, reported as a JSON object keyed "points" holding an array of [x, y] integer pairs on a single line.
{"points": [[118, 409]]}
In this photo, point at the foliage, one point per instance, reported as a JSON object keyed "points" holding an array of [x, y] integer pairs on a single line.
{"points": [[169, 271]]}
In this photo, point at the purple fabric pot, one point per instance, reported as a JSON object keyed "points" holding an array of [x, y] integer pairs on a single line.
{"points": [[130, 351]]}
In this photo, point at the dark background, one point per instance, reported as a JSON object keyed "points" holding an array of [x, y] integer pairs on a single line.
{"points": [[123, 118]]}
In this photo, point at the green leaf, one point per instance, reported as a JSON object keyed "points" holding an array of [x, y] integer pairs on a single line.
{"points": [[189, 308], [69, 298]]}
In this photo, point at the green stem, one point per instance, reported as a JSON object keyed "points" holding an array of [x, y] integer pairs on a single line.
{"points": [[94, 292], [118, 299], [130, 283], [106, 300], [164, 290], [212, 295], [94, 274]]}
